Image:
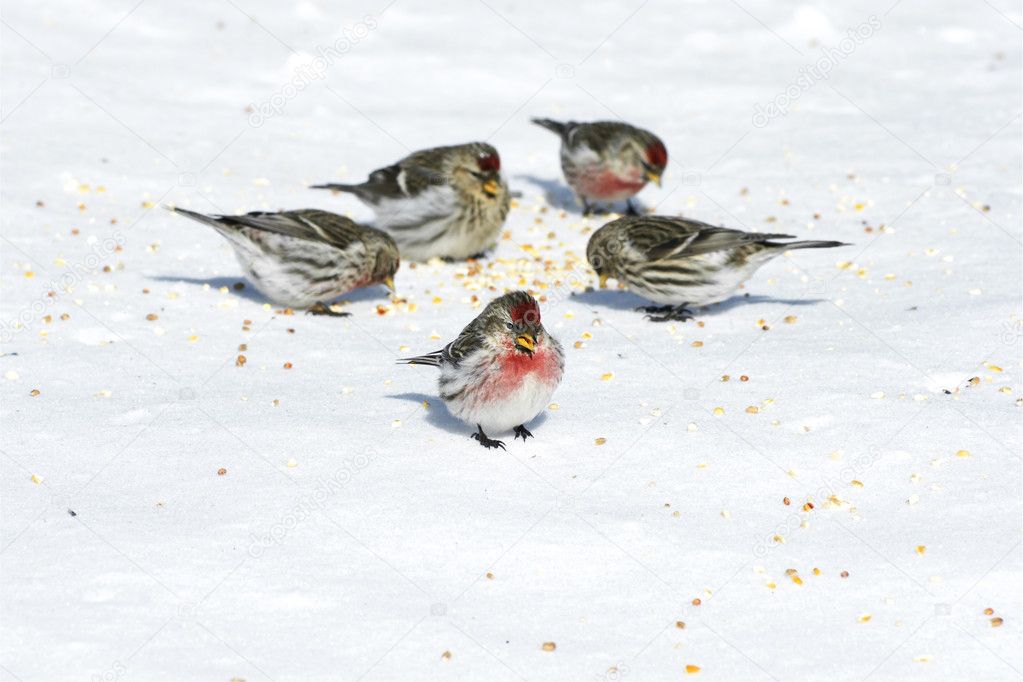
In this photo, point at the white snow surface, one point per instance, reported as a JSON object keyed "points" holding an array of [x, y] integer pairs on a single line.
{"points": [[359, 534]]}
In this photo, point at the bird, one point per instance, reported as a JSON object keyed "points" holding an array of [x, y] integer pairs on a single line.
{"points": [[501, 370], [449, 202], [607, 161], [306, 258], [678, 262]]}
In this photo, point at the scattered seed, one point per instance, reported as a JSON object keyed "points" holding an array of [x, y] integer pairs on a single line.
{"points": [[549, 646]]}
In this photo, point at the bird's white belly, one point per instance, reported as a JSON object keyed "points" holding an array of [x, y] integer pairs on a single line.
{"points": [[500, 414], [276, 277], [442, 238], [716, 286]]}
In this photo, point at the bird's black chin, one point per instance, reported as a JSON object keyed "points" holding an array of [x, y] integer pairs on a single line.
{"points": [[522, 349]]}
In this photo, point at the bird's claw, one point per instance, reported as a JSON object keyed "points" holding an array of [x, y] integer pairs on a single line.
{"points": [[485, 441], [667, 313], [522, 431], [324, 309]]}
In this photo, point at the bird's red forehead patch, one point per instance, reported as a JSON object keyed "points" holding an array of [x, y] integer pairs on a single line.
{"points": [[489, 162], [527, 311], [657, 155]]}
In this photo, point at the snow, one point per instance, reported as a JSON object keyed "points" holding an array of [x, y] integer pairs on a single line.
{"points": [[357, 533]]}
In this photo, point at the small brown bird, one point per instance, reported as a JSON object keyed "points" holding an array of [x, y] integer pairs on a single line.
{"points": [[607, 161], [306, 258], [502, 369], [448, 202], [679, 262]]}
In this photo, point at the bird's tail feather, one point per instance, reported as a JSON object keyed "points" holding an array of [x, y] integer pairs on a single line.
{"points": [[338, 187], [809, 244], [551, 125], [432, 359], [195, 215]]}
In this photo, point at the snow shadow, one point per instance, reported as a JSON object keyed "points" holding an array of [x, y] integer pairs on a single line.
{"points": [[556, 193], [437, 414], [625, 300], [251, 293]]}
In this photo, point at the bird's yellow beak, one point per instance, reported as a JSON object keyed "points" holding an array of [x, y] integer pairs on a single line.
{"points": [[603, 281], [526, 342], [491, 187], [389, 283], [653, 177]]}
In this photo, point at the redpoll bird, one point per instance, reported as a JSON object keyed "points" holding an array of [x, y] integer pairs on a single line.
{"points": [[305, 258], [501, 370], [607, 161], [448, 202], [678, 262]]}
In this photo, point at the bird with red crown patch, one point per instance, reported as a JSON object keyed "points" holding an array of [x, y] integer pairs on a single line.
{"points": [[501, 371], [445, 202], [608, 161]]}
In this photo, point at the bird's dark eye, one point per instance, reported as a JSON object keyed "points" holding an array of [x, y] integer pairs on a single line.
{"points": [[488, 162]]}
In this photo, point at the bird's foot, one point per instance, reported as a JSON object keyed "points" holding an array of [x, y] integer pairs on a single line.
{"points": [[486, 441], [666, 313], [522, 431], [324, 309]]}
